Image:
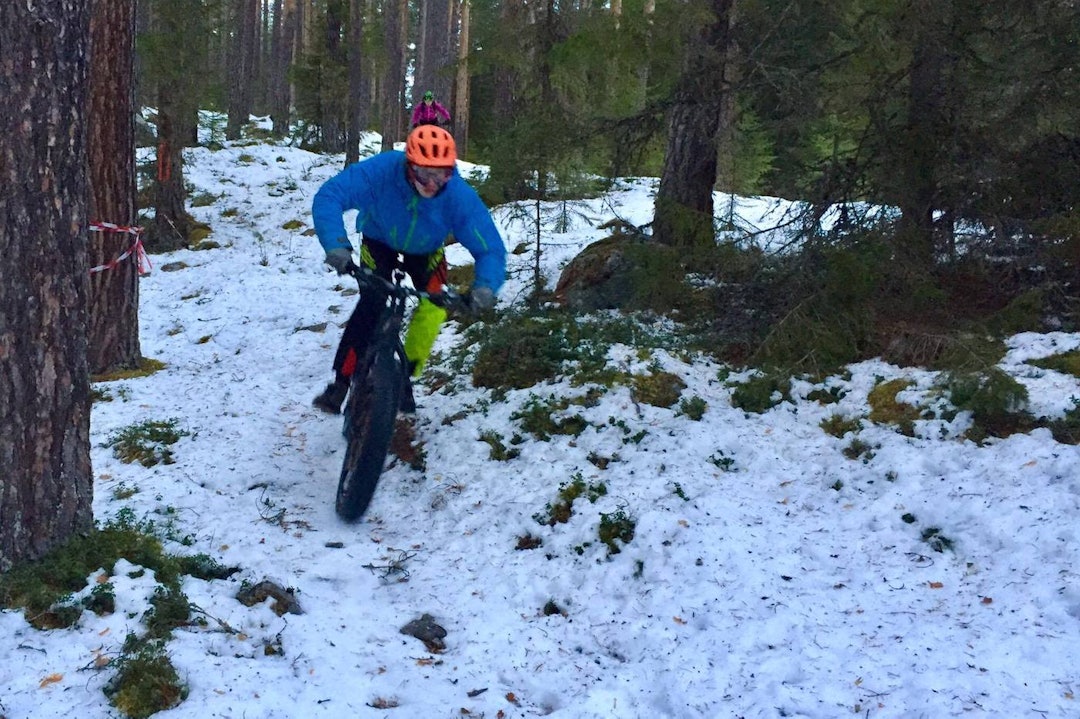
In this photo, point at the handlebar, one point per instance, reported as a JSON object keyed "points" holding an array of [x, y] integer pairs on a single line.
{"points": [[447, 299]]}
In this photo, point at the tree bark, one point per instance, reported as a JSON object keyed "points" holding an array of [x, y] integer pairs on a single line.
{"points": [[172, 224], [684, 200], [46, 484], [927, 130], [358, 86], [396, 33], [113, 318], [242, 71], [433, 55], [461, 82]]}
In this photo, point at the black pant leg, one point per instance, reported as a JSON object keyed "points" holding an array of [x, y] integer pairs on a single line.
{"points": [[382, 260]]}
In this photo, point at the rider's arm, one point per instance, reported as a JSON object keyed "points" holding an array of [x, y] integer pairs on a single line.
{"points": [[477, 232], [345, 191], [441, 109]]}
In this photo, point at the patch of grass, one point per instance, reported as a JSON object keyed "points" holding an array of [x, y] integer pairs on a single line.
{"points": [[499, 451], [761, 392], [996, 401], [146, 443], [660, 389], [561, 510], [722, 462], [540, 418], [292, 225], [146, 681], [616, 529], [1066, 363], [826, 396], [203, 199], [859, 449], [837, 425], [520, 350], [1067, 429], [694, 408]]}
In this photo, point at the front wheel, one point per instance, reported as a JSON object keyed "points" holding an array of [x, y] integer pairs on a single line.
{"points": [[370, 414]]}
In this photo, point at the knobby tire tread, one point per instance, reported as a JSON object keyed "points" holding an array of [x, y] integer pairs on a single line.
{"points": [[371, 414]]}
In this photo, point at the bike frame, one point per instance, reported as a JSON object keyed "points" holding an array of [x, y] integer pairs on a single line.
{"points": [[375, 390]]}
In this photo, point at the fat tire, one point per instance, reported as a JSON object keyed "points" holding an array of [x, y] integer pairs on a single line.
{"points": [[370, 413]]}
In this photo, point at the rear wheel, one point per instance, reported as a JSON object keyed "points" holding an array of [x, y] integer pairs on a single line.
{"points": [[369, 426]]}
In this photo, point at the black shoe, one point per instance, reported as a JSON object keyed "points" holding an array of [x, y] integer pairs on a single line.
{"points": [[407, 405], [331, 398]]}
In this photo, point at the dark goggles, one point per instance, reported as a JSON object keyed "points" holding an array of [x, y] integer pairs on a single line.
{"points": [[432, 175]]}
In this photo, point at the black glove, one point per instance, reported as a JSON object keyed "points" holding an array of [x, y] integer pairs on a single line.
{"points": [[339, 258], [481, 300]]}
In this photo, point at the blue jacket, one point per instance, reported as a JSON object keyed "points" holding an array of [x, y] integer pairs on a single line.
{"points": [[392, 212]]}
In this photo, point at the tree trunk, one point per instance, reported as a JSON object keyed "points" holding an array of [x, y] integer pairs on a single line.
{"points": [[357, 108], [46, 484], [113, 321], [433, 55], [242, 71], [684, 200], [927, 131], [284, 51], [461, 83], [172, 224], [396, 35]]}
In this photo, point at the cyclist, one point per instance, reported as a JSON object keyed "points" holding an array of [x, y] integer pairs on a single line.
{"points": [[430, 112], [410, 203]]}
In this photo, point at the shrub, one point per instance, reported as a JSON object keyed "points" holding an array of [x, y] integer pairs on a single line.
{"points": [[996, 402], [761, 392]]}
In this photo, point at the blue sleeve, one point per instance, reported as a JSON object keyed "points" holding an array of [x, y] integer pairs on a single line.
{"points": [[477, 232], [342, 192]]}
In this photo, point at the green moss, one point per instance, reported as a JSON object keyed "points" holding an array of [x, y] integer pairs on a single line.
{"points": [[146, 442], [885, 409], [145, 368], [661, 389], [292, 225]]}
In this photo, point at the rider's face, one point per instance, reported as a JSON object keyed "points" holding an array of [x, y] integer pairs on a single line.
{"points": [[429, 180]]}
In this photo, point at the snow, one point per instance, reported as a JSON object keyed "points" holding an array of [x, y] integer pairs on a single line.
{"points": [[768, 575]]}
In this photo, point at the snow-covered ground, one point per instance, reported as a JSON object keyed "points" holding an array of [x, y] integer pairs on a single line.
{"points": [[768, 574]]}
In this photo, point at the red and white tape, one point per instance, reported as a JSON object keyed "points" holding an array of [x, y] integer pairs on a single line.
{"points": [[135, 249]]}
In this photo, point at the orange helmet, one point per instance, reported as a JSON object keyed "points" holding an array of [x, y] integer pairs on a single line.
{"points": [[430, 146]]}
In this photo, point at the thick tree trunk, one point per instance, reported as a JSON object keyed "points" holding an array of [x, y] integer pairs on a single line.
{"points": [[684, 200], [396, 33], [357, 108], [113, 320], [927, 131], [284, 47], [46, 484], [433, 55], [172, 224], [461, 82], [242, 71]]}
